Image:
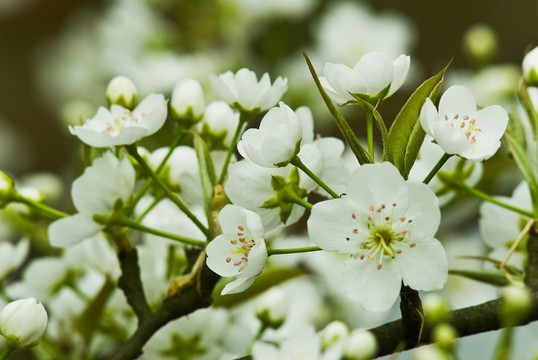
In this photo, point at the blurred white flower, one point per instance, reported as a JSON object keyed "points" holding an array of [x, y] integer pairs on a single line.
{"points": [[11, 256], [460, 129], [243, 90], [220, 120], [94, 192], [187, 100], [121, 91], [121, 126], [530, 67]]}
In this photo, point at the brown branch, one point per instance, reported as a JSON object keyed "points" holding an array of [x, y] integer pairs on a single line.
{"points": [[531, 273], [467, 321]]}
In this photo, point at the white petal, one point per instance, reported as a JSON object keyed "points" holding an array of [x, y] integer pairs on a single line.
{"points": [[492, 122], [428, 116], [423, 208], [237, 286], [457, 100], [400, 69], [376, 70], [152, 113], [374, 184], [330, 225], [451, 140], [71, 230], [424, 267], [375, 290]]}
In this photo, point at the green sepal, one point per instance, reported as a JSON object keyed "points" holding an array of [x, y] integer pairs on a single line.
{"points": [[295, 152], [372, 100], [268, 278], [387, 147], [406, 134], [214, 139], [358, 150], [286, 191], [532, 77]]}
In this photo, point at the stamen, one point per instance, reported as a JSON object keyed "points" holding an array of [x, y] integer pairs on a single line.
{"points": [[412, 245], [361, 256], [242, 239], [371, 207], [446, 117], [240, 227], [402, 219], [384, 245], [355, 231], [353, 216], [465, 117], [228, 259], [234, 242], [240, 234], [398, 251], [387, 218], [379, 266]]}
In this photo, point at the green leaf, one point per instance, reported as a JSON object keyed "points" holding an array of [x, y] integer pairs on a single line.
{"points": [[406, 133], [525, 100], [523, 162], [360, 152], [387, 148], [207, 170], [492, 277], [268, 278]]}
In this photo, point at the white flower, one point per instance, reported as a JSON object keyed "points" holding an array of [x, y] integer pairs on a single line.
{"points": [[11, 256], [121, 126], [219, 120], [375, 77], [500, 227], [360, 345], [23, 322], [240, 250], [244, 91], [430, 153], [94, 192], [276, 141], [460, 129], [121, 91], [388, 226], [188, 99], [530, 67]]}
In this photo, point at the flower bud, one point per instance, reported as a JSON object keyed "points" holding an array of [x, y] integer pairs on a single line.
{"points": [[429, 353], [187, 101], [23, 322], [30, 193], [360, 345], [530, 67], [121, 91], [445, 336], [436, 309], [332, 333], [271, 308], [480, 44], [515, 305], [6, 189]]}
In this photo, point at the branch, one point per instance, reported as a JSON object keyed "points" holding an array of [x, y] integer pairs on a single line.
{"points": [[531, 273], [467, 321]]}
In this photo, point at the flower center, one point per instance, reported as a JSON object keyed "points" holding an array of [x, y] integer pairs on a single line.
{"points": [[121, 121], [386, 236], [466, 124], [243, 245]]}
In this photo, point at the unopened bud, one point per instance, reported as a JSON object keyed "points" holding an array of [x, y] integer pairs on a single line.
{"points": [[445, 336], [30, 193], [187, 101], [435, 308], [530, 67], [480, 44], [23, 322], [429, 353], [360, 345], [515, 305], [121, 91], [334, 332], [272, 308]]}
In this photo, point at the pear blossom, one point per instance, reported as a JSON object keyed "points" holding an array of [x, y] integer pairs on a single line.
{"points": [[387, 225], [121, 126], [219, 122], [530, 67], [460, 129], [276, 141], [500, 227], [374, 78], [23, 322], [243, 90], [240, 250], [11, 256], [94, 192]]}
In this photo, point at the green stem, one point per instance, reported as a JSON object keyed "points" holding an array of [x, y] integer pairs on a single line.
{"points": [[370, 132], [437, 167], [172, 196], [486, 197], [45, 210], [123, 221], [504, 344], [7, 352], [243, 118], [148, 209], [257, 337], [271, 251], [297, 162], [160, 168], [296, 199]]}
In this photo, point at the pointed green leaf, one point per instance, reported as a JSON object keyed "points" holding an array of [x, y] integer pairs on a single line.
{"points": [[492, 277], [360, 152], [406, 133]]}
